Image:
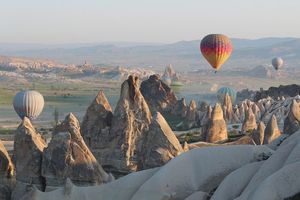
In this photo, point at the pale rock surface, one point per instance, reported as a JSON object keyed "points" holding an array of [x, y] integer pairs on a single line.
{"points": [[160, 144], [282, 184], [67, 156], [259, 133], [96, 122], [276, 173], [121, 189], [28, 153], [272, 131], [216, 128], [198, 196], [233, 185], [192, 174], [249, 122], [243, 140], [181, 178]]}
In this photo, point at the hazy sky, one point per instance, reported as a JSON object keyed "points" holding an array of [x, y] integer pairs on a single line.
{"points": [[75, 21]]}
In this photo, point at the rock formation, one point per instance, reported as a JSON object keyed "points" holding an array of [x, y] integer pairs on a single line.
{"points": [[227, 108], [180, 108], [131, 120], [242, 112], [217, 129], [7, 174], [180, 178], [236, 118], [28, 153], [158, 95], [7, 168], [275, 92], [206, 117], [170, 73], [292, 121], [160, 144], [259, 133], [96, 122], [272, 131], [191, 117], [67, 156], [249, 123], [256, 111]]}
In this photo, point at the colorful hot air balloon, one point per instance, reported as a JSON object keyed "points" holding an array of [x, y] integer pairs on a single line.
{"points": [[222, 92], [277, 63], [216, 49], [28, 104]]}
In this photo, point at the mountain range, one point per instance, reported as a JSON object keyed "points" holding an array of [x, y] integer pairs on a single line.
{"points": [[183, 55]]}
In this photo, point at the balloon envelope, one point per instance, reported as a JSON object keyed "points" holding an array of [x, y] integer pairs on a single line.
{"points": [[28, 104], [216, 49], [176, 84], [167, 80], [222, 92], [277, 63]]}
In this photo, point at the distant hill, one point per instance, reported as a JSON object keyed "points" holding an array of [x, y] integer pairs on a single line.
{"points": [[184, 55]]}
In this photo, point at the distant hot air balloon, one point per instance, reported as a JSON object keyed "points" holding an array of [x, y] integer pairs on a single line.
{"points": [[222, 92], [216, 49], [28, 104], [176, 84], [277, 63], [166, 80]]}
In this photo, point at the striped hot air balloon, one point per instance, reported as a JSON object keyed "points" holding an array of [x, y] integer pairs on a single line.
{"points": [[28, 104], [216, 49]]}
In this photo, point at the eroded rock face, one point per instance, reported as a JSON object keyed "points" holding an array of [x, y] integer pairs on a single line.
{"points": [[159, 96], [206, 117], [7, 174], [292, 121], [191, 118], [250, 121], [272, 131], [259, 133], [180, 108], [275, 92], [256, 111], [160, 145], [131, 120], [28, 153], [227, 108], [67, 156], [217, 129], [7, 168], [96, 122]]}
